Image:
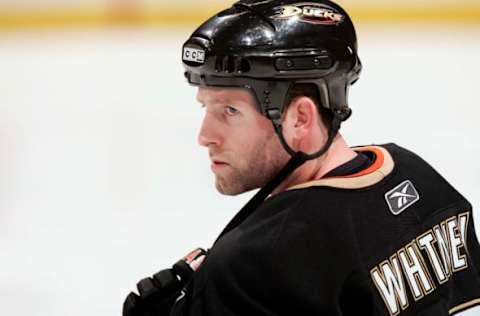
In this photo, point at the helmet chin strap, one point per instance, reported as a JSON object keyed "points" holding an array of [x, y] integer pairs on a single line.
{"points": [[297, 159]]}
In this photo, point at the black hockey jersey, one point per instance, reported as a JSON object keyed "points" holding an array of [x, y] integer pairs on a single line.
{"points": [[394, 239]]}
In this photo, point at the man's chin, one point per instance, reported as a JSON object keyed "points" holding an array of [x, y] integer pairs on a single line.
{"points": [[231, 189], [225, 190]]}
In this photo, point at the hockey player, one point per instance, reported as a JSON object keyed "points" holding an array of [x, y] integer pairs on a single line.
{"points": [[334, 230]]}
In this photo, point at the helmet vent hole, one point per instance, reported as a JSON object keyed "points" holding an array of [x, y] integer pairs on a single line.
{"points": [[244, 66], [229, 64], [219, 64], [232, 64]]}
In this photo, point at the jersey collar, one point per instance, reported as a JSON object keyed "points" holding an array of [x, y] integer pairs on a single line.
{"points": [[382, 167]]}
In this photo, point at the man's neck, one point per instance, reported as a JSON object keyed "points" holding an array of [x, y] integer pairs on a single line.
{"points": [[338, 154]]}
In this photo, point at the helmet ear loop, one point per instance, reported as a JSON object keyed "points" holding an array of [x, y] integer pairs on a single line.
{"points": [[276, 119]]}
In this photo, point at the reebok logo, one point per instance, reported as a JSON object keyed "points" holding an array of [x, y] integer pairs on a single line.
{"points": [[401, 197]]}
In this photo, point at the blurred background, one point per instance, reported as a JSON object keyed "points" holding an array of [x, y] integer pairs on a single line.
{"points": [[101, 180]]}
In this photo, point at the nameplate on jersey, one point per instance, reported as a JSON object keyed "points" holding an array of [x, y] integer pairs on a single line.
{"points": [[423, 265], [401, 197]]}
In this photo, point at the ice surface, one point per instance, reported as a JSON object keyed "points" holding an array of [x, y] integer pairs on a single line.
{"points": [[101, 179]]}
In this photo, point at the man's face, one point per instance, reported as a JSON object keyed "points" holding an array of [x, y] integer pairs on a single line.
{"points": [[243, 147]]}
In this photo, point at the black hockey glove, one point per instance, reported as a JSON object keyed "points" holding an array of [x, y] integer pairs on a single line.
{"points": [[158, 293]]}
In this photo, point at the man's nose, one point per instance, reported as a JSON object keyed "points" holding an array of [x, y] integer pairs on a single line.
{"points": [[209, 133]]}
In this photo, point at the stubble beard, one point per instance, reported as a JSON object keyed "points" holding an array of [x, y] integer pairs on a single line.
{"points": [[257, 168]]}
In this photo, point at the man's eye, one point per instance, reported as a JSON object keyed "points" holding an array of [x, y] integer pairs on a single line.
{"points": [[229, 110]]}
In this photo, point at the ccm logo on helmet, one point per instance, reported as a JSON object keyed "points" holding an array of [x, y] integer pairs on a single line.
{"points": [[310, 13], [194, 54]]}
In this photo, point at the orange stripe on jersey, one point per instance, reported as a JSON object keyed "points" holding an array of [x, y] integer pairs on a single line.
{"points": [[381, 167], [379, 159]]}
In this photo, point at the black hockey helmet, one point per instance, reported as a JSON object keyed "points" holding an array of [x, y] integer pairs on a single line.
{"points": [[267, 46]]}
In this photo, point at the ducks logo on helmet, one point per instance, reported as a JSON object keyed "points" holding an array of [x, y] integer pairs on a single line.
{"points": [[310, 13]]}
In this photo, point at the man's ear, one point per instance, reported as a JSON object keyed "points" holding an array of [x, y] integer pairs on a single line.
{"points": [[301, 116]]}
